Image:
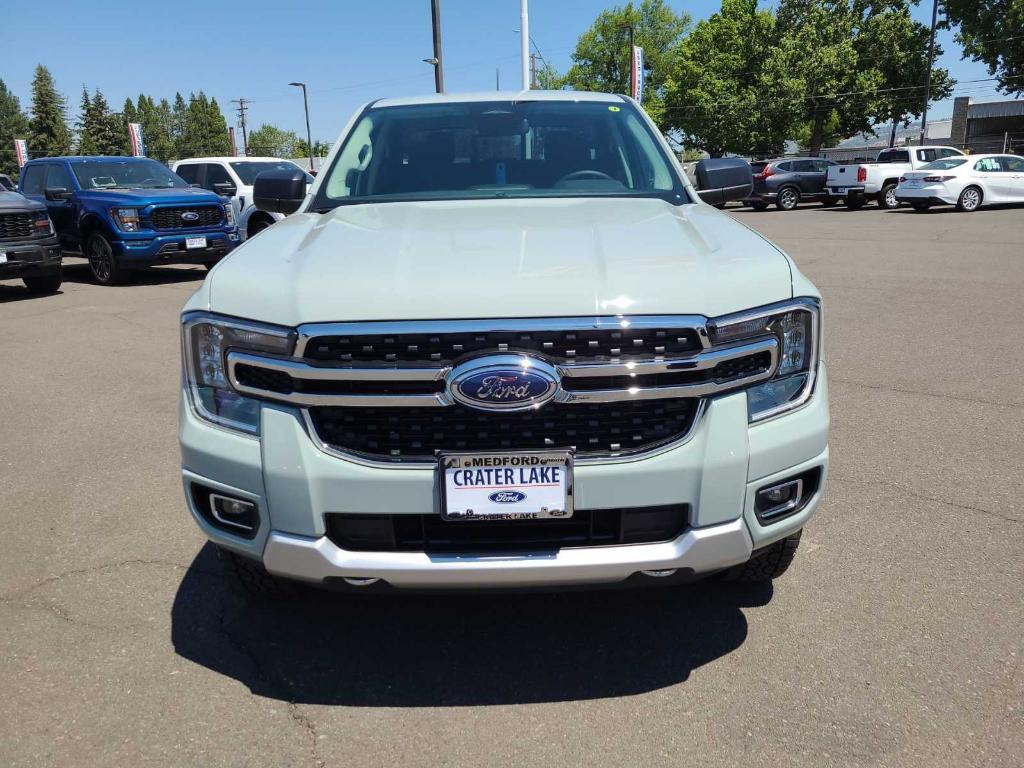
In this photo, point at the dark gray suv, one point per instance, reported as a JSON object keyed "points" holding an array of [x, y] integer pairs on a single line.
{"points": [[28, 245], [787, 182]]}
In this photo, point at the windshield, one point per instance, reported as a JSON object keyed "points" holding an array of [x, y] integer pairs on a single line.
{"points": [[124, 174], [248, 169], [944, 164], [492, 149]]}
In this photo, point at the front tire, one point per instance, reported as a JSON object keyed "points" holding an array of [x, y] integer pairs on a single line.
{"points": [[887, 197], [788, 199], [43, 283], [969, 200], [257, 225], [768, 563], [102, 261]]}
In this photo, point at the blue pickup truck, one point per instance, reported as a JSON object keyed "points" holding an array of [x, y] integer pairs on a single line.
{"points": [[125, 213]]}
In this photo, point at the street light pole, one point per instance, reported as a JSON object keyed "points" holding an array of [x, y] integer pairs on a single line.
{"points": [[309, 136], [928, 75], [524, 45], [435, 19]]}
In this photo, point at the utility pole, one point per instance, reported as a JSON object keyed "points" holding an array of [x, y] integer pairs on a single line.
{"points": [[497, 79], [241, 119], [435, 17], [928, 74], [524, 44]]}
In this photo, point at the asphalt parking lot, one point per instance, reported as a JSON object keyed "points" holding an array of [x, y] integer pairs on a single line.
{"points": [[896, 638]]}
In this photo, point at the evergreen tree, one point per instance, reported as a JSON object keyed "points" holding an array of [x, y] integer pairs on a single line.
{"points": [[179, 119], [85, 127], [13, 125], [206, 131], [48, 130], [217, 127], [106, 127], [128, 115]]}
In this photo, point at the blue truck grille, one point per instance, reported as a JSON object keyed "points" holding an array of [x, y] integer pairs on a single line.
{"points": [[187, 217]]}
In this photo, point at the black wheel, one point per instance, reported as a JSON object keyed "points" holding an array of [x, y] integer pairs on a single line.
{"points": [[768, 563], [788, 199], [42, 283], [970, 199], [208, 265], [887, 197], [759, 206], [250, 577], [922, 206], [257, 225], [828, 202], [855, 203], [102, 262]]}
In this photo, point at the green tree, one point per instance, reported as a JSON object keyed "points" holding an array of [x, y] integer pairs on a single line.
{"points": [[717, 96], [602, 58], [273, 141], [106, 126], [320, 148], [156, 120], [179, 117], [205, 130], [48, 130], [992, 32], [851, 61], [86, 141], [13, 125]]}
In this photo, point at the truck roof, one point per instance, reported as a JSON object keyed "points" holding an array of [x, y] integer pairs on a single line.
{"points": [[457, 98], [230, 159]]}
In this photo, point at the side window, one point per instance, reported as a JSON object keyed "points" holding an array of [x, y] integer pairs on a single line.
{"points": [[784, 167], [926, 155], [947, 152], [821, 166], [1012, 164], [189, 172], [216, 174], [987, 164], [57, 176], [32, 180]]}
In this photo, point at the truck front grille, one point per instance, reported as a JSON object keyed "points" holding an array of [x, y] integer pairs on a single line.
{"points": [[431, 533], [15, 226], [171, 217], [578, 346], [415, 433]]}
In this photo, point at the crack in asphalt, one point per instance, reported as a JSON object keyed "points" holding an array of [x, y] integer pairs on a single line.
{"points": [[11, 596], [960, 398], [279, 688], [925, 497]]}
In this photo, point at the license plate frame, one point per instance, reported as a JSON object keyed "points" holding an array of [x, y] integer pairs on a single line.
{"points": [[539, 506], [195, 243]]}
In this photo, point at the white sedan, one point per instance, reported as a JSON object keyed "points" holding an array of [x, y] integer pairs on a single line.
{"points": [[966, 182]]}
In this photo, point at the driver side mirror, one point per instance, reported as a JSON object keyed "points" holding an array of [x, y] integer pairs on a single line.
{"points": [[279, 191], [722, 179], [58, 193], [225, 188]]}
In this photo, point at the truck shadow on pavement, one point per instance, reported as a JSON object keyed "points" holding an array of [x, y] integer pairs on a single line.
{"points": [[77, 271], [387, 650]]}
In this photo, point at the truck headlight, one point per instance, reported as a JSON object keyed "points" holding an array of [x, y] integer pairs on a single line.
{"points": [[205, 341], [127, 218], [229, 214], [796, 324], [41, 224]]}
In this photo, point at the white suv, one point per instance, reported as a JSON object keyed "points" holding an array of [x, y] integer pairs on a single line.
{"points": [[502, 343], [233, 177]]}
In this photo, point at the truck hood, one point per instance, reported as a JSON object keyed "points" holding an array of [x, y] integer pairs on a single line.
{"points": [[498, 258], [15, 201], [143, 197]]}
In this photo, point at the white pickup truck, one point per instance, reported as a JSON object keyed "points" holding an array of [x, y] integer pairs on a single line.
{"points": [[855, 183]]}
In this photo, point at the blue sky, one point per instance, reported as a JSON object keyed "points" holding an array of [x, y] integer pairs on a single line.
{"points": [[347, 52]]}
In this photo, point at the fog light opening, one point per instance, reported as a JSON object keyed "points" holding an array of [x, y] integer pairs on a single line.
{"points": [[660, 574], [234, 513], [356, 581], [777, 500]]}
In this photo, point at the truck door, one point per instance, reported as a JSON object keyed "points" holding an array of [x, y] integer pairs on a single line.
{"points": [[63, 212]]}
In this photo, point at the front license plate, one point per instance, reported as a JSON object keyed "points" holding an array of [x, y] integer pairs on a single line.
{"points": [[505, 486], [195, 242], [3, 257]]}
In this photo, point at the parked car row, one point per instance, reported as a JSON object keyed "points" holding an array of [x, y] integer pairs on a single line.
{"points": [[919, 176], [127, 213]]}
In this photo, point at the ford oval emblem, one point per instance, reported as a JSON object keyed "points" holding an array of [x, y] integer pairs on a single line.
{"points": [[503, 383], [190, 216], [507, 497]]}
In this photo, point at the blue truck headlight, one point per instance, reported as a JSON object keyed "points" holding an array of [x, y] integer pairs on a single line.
{"points": [[206, 339], [127, 218], [796, 325]]}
